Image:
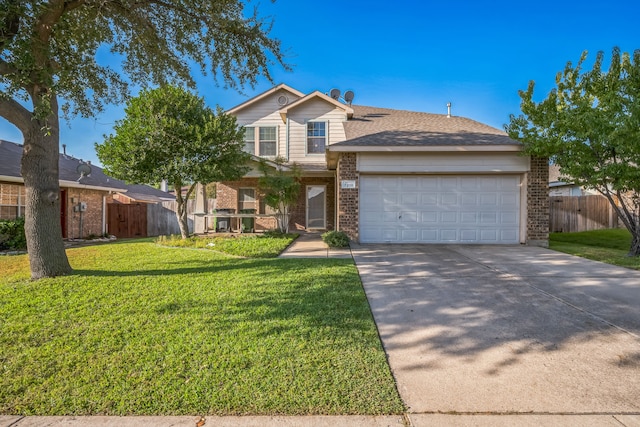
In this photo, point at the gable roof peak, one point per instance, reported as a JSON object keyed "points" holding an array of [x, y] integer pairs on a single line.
{"points": [[316, 94], [263, 95]]}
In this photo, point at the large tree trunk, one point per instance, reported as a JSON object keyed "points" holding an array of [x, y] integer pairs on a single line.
{"points": [[635, 244], [183, 220], [181, 211], [47, 256]]}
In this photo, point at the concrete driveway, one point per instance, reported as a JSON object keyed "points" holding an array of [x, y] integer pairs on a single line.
{"points": [[505, 329]]}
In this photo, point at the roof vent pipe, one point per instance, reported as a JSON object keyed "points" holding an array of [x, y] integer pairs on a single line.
{"points": [[448, 110], [64, 149]]}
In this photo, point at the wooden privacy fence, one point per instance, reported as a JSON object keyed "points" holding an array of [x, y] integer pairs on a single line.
{"points": [[127, 220], [580, 213], [153, 219], [162, 221]]}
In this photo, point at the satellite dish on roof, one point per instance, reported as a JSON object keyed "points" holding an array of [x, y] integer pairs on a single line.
{"points": [[84, 169], [348, 96], [335, 94]]}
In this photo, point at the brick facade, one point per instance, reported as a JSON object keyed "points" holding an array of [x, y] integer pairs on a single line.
{"points": [[227, 198], [538, 202], [348, 198], [92, 220]]}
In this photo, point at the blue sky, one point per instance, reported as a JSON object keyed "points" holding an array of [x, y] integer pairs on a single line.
{"points": [[415, 55]]}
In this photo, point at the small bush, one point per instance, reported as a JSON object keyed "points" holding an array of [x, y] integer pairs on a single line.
{"points": [[12, 234], [336, 239]]}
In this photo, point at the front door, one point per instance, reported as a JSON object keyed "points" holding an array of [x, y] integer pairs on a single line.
{"points": [[316, 207]]}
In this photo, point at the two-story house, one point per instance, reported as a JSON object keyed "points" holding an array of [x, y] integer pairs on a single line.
{"points": [[384, 175]]}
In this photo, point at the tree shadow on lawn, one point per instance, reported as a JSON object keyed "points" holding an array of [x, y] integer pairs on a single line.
{"points": [[333, 298], [190, 267]]}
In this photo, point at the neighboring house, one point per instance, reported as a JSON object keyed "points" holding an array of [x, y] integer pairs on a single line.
{"points": [[557, 187], [83, 199], [383, 175]]}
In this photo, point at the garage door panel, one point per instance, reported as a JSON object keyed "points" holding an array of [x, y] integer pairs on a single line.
{"points": [[467, 199], [429, 235], [409, 236], [509, 218], [407, 216], [440, 209], [449, 217], [468, 217], [448, 199], [509, 235], [490, 235], [508, 200], [469, 235], [429, 216], [428, 199], [390, 216], [449, 235], [390, 234], [409, 199], [487, 218], [428, 183]]}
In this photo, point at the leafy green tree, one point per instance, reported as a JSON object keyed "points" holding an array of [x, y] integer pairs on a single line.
{"points": [[48, 64], [170, 134], [589, 125], [280, 186]]}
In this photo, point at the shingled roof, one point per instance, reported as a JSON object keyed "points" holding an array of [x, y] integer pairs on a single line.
{"points": [[11, 153], [372, 126]]}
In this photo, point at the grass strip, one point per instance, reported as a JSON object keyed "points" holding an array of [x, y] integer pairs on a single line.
{"points": [[610, 246]]}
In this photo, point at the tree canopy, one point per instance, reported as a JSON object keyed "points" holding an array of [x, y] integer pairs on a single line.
{"points": [[170, 134], [589, 125], [48, 55]]}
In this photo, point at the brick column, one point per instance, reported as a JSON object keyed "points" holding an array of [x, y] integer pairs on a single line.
{"points": [[538, 202], [348, 197]]}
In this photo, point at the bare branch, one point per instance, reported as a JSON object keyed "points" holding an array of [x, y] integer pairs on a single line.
{"points": [[69, 5], [15, 113], [6, 68]]}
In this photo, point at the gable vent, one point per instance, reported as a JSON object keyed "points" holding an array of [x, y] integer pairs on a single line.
{"points": [[283, 100]]}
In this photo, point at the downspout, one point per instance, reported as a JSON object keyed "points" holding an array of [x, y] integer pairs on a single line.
{"points": [[286, 140], [104, 215], [337, 200]]}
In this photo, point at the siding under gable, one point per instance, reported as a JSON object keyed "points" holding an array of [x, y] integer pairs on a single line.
{"points": [[265, 113], [316, 110]]}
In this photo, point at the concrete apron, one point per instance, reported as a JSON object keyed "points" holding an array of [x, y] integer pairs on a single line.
{"points": [[505, 329]]}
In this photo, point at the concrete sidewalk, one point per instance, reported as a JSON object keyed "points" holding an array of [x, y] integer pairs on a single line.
{"points": [[310, 245], [410, 420]]}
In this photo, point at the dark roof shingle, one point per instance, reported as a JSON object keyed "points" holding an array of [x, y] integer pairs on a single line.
{"points": [[11, 153], [372, 126]]}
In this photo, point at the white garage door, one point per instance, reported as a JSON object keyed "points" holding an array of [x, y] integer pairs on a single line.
{"points": [[439, 209]]}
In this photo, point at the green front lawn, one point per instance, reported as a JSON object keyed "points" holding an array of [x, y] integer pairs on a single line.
{"points": [[251, 246], [145, 329], [610, 246]]}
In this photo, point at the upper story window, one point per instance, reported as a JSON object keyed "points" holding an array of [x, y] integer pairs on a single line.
{"points": [[266, 138], [250, 140], [268, 141], [316, 137]]}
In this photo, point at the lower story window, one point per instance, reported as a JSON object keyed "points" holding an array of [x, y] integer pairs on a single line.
{"points": [[246, 199], [12, 199]]}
